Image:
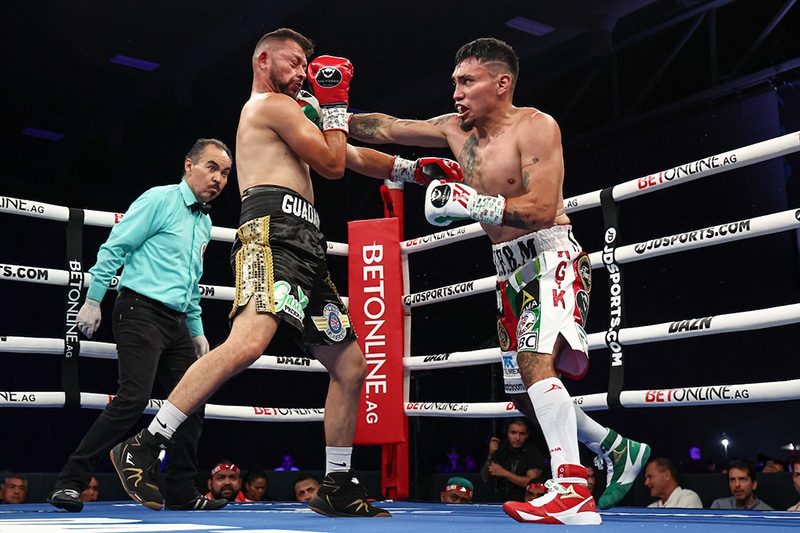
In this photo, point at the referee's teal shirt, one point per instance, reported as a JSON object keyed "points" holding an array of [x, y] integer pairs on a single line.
{"points": [[160, 242]]}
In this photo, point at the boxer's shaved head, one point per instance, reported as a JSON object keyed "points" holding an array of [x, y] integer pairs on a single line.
{"points": [[285, 34], [497, 56]]}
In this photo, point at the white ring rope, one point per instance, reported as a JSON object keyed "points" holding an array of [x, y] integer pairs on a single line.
{"points": [[689, 240], [707, 166], [705, 395]]}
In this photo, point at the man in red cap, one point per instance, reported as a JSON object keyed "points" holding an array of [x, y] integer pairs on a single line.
{"points": [[225, 482], [457, 490]]}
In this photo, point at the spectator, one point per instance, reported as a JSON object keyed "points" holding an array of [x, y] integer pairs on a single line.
{"points": [[255, 486], [14, 489], [661, 478], [794, 463], [453, 463], [743, 484], [225, 483], [535, 488], [469, 464], [696, 465], [457, 490], [306, 487], [512, 464], [287, 464], [590, 478], [92, 492], [773, 466]]}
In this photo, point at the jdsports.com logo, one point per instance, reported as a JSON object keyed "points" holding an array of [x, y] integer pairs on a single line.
{"points": [[328, 77]]}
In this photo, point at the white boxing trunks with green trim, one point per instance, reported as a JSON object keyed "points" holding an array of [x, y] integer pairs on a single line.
{"points": [[543, 285]]}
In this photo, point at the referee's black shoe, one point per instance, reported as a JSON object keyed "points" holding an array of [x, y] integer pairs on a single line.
{"points": [[68, 499], [199, 503]]}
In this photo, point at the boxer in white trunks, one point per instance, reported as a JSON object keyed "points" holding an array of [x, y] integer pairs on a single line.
{"points": [[513, 169]]}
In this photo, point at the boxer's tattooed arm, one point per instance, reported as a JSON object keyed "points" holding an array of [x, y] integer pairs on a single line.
{"points": [[513, 218], [526, 175], [364, 127], [526, 180], [469, 159]]}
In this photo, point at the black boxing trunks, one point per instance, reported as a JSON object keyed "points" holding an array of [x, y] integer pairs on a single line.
{"points": [[543, 286], [278, 259]]}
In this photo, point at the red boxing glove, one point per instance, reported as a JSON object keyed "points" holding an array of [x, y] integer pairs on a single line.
{"points": [[329, 77], [424, 170]]}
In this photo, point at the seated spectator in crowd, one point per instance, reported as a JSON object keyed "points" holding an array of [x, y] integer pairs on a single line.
{"points": [[695, 465], [287, 464], [225, 483], [535, 488], [92, 492], [590, 478], [14, 488], [511, 464], [255, 486], [743, 484], [661, 478], [306, 487], [773, 466], [457, 490], [794, 463], [454, 462]]}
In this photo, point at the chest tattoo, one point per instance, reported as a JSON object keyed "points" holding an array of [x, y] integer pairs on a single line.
{"points": [[469, 159]]}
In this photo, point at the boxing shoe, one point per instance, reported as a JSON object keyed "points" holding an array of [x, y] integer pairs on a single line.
{"points": [[623, 459], [68, 499], [567, 501], [342, 495], [199, 503], [137, 461]]}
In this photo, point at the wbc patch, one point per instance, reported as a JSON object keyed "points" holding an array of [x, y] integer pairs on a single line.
{"points": [[332, 323]]}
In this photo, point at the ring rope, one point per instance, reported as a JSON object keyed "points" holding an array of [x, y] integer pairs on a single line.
{"points": [[667, 331], [688, 240], [696, 395], [701, 168]]}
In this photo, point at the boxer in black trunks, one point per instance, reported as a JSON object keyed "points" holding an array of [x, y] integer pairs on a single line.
{"points": [[279, 260], [279, 239]]}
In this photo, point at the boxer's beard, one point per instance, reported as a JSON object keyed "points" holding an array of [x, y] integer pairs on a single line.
{"points": [[285, 88], [467, 125]]}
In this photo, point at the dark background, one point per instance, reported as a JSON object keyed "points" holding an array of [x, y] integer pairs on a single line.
{"points": [[638, 86]]}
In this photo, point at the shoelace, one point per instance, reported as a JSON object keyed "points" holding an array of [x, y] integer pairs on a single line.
{"points": [[155, 466]]}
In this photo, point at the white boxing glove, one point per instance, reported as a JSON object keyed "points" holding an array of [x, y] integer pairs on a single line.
{"points": [[89, 317], [200, 345], [449, 201], [310, 106]]}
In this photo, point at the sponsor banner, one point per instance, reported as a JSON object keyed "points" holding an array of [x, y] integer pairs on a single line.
{"points": [[698, 395], [20, 206], [445, 293], [376, 292], [442, 238], [461, 409]]}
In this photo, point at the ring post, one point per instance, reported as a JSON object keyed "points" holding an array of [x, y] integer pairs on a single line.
{"points": [[375, 289]]}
